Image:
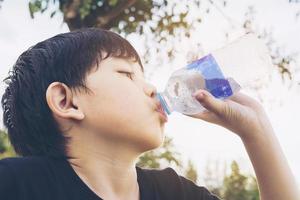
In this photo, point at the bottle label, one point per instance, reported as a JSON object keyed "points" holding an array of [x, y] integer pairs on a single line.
{"points": [[215, 82]]}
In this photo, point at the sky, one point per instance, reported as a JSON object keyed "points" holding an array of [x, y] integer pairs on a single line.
{"points": [[196, 140]]}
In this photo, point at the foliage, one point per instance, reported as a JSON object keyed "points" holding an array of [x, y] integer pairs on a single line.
{"points": [[191, 172], [156, 158], [126, 16], [161, 19], [6, 150], [234, 186]]}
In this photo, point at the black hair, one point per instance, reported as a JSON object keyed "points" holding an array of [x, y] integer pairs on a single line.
{"points": [[66, 58]]}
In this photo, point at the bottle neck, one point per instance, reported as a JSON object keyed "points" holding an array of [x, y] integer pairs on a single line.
{"points": [[164, 102]]}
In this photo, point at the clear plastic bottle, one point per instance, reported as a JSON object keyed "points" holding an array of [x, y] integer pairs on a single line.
{"points": [[237, 60], [246, 59]]}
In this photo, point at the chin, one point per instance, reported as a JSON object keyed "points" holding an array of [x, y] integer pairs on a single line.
{"points": [[152, 140]]}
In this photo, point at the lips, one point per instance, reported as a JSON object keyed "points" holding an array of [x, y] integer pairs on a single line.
{"points": [[162, 112]]}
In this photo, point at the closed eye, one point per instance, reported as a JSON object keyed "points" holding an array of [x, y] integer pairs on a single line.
{"points": [[128, 74]]}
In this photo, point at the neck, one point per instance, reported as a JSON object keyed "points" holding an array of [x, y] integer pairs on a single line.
{"points": [[107, 169]]}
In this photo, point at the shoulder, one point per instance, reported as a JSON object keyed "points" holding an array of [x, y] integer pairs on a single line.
{"points": [[18, 164], [6, 174], [8, 177], [161, 177], [159, 174], [20, 173], [170, 181], [23, 167]]}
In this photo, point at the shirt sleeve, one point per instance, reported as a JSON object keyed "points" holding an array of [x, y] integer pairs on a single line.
{"points": [[7, 182], [194, 191], [188, 188]]}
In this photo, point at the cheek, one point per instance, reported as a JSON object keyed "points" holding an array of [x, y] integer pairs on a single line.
{"points": [[126, 119], [127, 99], [118, 105], [121, 111]]}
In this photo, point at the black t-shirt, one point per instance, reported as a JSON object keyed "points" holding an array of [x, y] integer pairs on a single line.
{"points": [[45, 178]]}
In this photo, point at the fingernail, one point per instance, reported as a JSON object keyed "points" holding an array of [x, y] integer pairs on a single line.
{"points": [[198, 95]]}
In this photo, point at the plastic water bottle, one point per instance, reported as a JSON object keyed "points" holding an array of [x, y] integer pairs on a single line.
{"points": [[247, 59], [238, 60]]}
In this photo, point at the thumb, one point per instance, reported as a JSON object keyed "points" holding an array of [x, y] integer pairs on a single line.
{"points": [[208, 101]]}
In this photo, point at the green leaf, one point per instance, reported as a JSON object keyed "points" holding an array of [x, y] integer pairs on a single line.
{"points": [[31, 9], [112, 2]]}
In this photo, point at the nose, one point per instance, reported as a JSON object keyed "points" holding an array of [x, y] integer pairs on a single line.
{"points": [[150, 90]]}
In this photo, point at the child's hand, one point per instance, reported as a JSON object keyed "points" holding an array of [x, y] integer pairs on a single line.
{"points": [[240, 113], [247, 118]]}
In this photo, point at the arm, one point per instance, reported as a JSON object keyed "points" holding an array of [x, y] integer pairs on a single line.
{"points": [[274, 176], [246, 117]]}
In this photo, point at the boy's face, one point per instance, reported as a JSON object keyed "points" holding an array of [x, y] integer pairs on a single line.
{"points": [[122, 107]]}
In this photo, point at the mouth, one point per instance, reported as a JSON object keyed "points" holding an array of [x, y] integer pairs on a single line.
{"points": [[162, 113]]}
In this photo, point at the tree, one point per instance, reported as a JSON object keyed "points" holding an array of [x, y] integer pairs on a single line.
{"points": [[253, 190], [109, 14], [6, 150], [163, 20], [158, 20], [214, 176], [161, 157], [230, 187], [238, 186], [282, 61], [235, 184], [191, 172]]}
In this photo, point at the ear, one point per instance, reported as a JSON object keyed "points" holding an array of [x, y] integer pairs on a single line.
{"points": [[62, 103]]}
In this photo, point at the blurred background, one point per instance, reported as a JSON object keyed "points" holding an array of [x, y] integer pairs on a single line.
{"points": [[168, 35]]}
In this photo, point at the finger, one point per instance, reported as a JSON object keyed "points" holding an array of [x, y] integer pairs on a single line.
{"points": [[207, 116], [209, 102], [201, 115], [244, 99]]}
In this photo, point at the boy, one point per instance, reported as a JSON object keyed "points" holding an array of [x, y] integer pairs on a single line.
{"points": [[80, 113]]}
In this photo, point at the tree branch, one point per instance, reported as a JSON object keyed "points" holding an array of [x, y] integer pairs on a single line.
{"points": [[71, 13], [70, 9], [102, 21]]}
